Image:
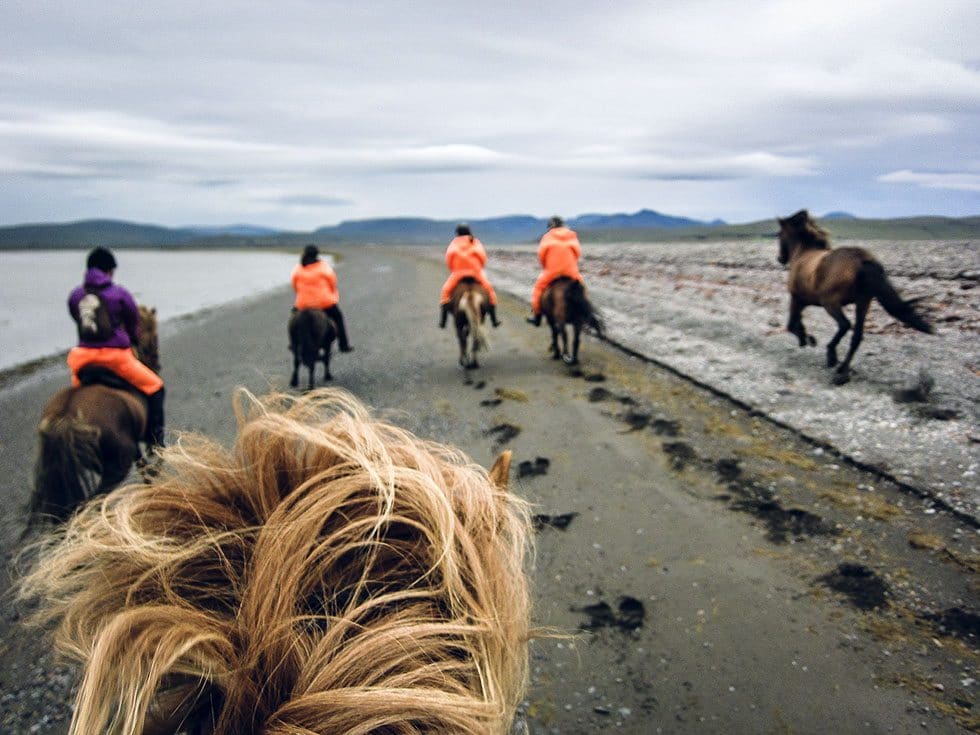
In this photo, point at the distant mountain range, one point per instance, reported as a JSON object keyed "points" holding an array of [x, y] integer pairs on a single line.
{"points": [[645, 225]]}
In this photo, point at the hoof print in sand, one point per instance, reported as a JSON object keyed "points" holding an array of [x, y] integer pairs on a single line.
{"points": [[491, 401], [480, 385], [863, 588], [681, 454], [665, 427], [595, 378], [728, 469], [635, 420], [539, 466], [503, 433], [599, 394], [629, 617], [561, 521], [780, 522], [958, 622]]}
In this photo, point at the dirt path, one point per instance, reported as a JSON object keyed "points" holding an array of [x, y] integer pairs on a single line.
{"points": [[695, 548]]}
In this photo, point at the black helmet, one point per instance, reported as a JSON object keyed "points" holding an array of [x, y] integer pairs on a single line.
{"points": [[463, 229], [556, 221], [310, 254], [102, 259]]}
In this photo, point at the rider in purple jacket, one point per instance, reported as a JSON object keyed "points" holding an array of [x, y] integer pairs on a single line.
{"points": [[118, 301]]}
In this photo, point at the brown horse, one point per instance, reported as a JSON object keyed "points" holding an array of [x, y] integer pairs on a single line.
{"points": [[90, 435], [564, 303], [468, 305], [833, 279], [311, 333], [330, 573]]}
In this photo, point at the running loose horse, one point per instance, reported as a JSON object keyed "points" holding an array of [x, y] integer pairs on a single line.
{"points": [[90, 435], [834, 278], [330, 573], [564, 303], [468, 305], [311, 333]]}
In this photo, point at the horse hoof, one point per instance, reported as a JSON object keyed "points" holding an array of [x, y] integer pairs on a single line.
{"points": [[832, 361], [841, 378], [811, 341], [293, 382], [569, 360]]}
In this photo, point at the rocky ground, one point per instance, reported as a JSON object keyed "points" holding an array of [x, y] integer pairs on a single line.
{"points": [[716, 312]]}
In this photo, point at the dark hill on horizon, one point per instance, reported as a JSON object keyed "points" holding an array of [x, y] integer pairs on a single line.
{"points": [[643, 226]]}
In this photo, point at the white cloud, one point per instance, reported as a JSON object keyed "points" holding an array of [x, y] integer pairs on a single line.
{"points": [[955, 181]]}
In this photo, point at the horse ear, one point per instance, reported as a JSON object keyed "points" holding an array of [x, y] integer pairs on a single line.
{"points": [[500, 472]]}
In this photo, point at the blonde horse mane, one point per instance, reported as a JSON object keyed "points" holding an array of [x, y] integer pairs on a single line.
{"points": [[331, 573]]}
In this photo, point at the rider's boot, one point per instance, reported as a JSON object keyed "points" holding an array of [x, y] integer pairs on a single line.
{"points": [[535, 319], [334, 313], [154, 436], [492, 312], [443, 315]]}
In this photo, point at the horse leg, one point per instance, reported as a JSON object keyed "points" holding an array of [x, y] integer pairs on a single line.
{"points": [[795, 325], [843, 325], [326, 363], [555, 352], [462, 334], [576, 336], [294, 380], [860, 313]]}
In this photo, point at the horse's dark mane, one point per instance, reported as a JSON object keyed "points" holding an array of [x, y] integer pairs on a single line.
{"points": [[807, 231]]}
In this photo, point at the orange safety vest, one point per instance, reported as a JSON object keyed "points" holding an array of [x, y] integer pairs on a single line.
{"points": [[558, 253], [465, 258], [315, 285]]}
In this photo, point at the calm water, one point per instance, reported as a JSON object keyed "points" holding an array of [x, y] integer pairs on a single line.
{"points": [[34, 288]]}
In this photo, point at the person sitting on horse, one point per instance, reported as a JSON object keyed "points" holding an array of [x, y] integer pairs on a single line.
{"points": [[465, 258], [558, 253], [315, 283], [108, 328]]}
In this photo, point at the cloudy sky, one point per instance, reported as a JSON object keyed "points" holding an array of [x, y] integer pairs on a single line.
{"points": [[300, 113]]}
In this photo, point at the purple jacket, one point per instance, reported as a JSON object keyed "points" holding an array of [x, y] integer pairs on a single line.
{"points": [[119, 303]]}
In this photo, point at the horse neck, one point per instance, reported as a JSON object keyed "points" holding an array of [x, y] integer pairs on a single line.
{"points": [[800, 249]]}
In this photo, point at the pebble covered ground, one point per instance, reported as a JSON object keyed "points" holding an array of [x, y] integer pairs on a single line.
{"points": [[716, 312]]}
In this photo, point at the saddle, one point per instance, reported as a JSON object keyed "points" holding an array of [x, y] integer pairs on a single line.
{"points": [[98, 375]]}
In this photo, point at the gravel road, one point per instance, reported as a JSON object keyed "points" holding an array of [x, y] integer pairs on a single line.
{"points": [[719, 573]]}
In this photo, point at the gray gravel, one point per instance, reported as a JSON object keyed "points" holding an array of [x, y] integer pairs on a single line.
{"points": [[716, 312]]}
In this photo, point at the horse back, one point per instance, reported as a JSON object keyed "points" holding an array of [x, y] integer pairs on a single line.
{"points": [[828, 276], [555, 299], [114, 410], [469, 292]]}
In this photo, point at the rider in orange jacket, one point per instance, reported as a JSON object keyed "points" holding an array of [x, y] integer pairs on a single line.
{"points": [[315, 284], [558, 253], [465, 258]]}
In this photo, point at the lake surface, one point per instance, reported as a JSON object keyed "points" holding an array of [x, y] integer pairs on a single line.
{"points": [[34, 288]]}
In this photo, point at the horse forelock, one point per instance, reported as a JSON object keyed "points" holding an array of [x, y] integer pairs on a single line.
{"points": [[802, 230], [326, 549]]}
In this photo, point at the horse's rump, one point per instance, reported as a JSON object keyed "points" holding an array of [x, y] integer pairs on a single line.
{"points": [[566, 302], [310, 330], [89, 436]]}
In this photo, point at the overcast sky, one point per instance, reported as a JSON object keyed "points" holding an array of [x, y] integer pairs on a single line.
{"points": [[300, 113]]}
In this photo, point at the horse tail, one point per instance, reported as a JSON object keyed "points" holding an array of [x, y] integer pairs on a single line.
{"points": [[871, 276], [581, 307], [67, 464], [472, 304]]}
